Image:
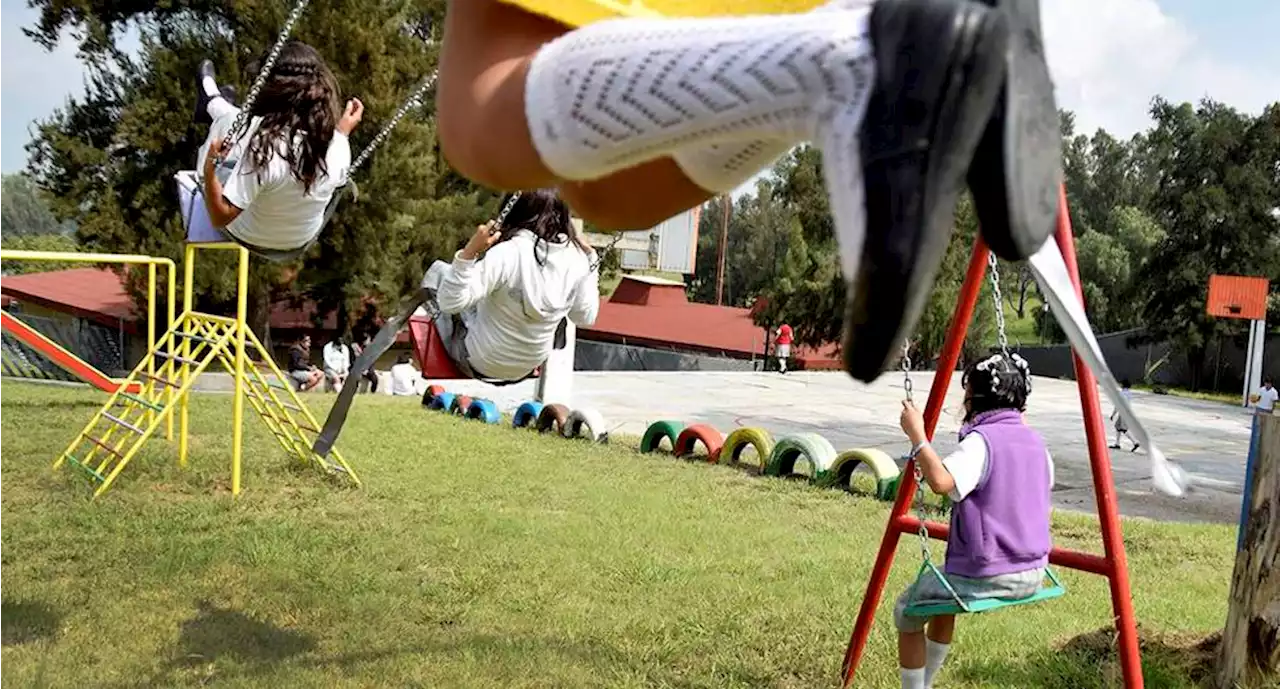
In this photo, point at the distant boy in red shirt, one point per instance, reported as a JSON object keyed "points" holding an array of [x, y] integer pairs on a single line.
{"points": [[783, 350]]}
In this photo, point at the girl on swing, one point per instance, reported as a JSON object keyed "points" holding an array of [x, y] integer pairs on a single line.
{"points": [[286, 165], [999, 481], [499, 313], [636, 115]]}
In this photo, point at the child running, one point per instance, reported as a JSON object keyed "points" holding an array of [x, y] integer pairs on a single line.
{"points": [[499, 313], [637, 115], [282, 171], [999, 480], [1122, 428]]}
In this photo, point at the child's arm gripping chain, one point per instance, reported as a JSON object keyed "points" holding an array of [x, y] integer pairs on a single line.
{"points": [[221, 211], [935, 473]]}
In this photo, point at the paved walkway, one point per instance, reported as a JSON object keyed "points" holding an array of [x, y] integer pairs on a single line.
{"points": [[1210, 440]]}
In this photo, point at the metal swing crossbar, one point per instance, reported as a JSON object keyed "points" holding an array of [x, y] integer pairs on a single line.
{"points": [[958, 604]]}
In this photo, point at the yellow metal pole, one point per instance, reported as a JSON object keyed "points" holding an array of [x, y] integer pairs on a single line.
{"points": [[173, 297], [237, 431], [149, 388], [188, 276]]}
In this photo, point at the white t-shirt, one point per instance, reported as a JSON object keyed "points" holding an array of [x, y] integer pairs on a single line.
{"points": [[276, 213], [1267, 399], [512, 304], [968, 464], [402, 378], [337, 358]]}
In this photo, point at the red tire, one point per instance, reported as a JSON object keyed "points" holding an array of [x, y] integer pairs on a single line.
{"points": [[710, 438], [552, 418], [461, 404]]}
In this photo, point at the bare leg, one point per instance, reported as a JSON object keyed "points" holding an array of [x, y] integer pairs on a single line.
{"points": [[942, 628], [484, 133], [911, 649]]}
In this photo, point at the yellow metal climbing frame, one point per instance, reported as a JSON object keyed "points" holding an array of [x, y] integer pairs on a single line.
{"points": [[169, 371]]}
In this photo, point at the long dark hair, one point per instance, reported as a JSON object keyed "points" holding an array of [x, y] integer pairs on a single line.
{"points": [[997, 382], [541, 212], [299, 108]]}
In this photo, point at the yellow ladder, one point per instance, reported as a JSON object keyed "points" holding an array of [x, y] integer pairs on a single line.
{"points": [[165, 378]]}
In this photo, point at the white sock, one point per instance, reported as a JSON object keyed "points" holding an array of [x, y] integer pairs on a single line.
{"points": [[621, 92], [913, 678], [934, 655], [210, 87], [721, 168]]}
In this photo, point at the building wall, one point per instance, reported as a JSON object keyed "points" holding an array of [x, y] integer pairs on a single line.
{"points": [[608, 356]]}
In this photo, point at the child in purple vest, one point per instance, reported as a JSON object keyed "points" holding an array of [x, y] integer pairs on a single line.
{"points": [[999, 481]]}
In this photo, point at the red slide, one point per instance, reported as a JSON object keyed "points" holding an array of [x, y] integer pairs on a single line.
{"points": [[66, 360]]}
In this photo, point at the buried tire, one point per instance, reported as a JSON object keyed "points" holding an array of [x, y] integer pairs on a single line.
{"points": [[882, 467], [460, 405], [484, 410], [657, 431], [810, 447], [442, 402], [552, 418], [710, 438], [433, 391], [588, 419], [740, 439], [526, 414]]}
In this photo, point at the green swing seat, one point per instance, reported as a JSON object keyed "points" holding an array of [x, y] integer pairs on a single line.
{"points": [[959, 606]]}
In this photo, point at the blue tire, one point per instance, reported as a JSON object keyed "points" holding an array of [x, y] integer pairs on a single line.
{"points": [[442, 402], [484, 410], [526, 414]]}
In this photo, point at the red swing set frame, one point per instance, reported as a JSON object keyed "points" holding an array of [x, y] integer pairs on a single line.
{"points": [[1112, 564]]}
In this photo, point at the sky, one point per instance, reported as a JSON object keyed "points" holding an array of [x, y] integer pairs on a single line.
{"points": [[1108, 58]]}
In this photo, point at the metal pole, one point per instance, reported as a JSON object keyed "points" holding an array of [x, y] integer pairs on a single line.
{"points": [[1103, 483], [968, 298], [724, 239], [242, 311]]}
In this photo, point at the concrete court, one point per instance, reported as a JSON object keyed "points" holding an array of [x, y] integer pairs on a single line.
{"points": [[1209, 440]]}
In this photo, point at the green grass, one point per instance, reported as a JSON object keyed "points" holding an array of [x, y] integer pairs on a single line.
{"points": [[1207, 395], [1022, 331], [478, 556]]}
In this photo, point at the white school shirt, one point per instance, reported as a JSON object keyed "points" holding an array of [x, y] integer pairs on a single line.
{"points": [[402, 378], [512, 304], [275, 211], [968, 464], [1267, 399], [337, 359]]}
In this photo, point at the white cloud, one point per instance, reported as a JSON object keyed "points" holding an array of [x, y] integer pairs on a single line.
{"points": [[1110, 57]]}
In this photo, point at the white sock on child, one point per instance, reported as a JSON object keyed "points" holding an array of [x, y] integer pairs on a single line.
{"points": [[934, 655], [210, 87], [618, 93], [913, 678]]}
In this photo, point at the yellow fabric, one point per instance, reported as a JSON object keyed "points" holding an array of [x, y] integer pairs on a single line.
{"points": [[582, 12]]}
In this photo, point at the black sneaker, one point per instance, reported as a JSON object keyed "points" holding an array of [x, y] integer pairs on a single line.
{"points": [[939, 67], [1017, 173], [202, 99]]}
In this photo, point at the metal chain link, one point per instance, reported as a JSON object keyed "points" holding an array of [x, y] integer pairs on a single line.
{"points": [[414, 100], [1002, 338], [241, 122], [906, 369]]}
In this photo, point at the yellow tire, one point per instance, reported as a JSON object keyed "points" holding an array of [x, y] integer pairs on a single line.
{"points": [[738, 441], [882, 467]]}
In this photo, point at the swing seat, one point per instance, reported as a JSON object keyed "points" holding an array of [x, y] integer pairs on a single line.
{"points": [[428, 349], [960, 607]]}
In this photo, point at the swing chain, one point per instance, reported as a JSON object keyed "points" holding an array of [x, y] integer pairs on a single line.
{"points": [[906, 368], [241, 122], [414, 100], [1001, 338], [921, 530]]}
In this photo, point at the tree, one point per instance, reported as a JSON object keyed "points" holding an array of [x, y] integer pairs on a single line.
{"points": [[109, 157], [25, 212], [1217, 196], [38, 242]]}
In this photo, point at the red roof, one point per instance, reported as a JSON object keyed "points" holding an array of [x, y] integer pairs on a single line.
{"points": [[92, 293], [654, 312]]}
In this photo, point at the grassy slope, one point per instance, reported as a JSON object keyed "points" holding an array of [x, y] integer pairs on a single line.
{"points": [[478, 557]]}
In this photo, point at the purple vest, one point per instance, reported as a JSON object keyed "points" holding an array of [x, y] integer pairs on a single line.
{"points": [[1003, 525]]}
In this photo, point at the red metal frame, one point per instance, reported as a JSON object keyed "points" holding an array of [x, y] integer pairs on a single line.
{"points": [[1111, 564]]}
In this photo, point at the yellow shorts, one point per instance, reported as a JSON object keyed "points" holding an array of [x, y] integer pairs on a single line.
{"points": [[582, 12]]}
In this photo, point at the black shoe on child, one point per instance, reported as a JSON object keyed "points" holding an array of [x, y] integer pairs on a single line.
{"points": [[1016, 172], [939, 68]]}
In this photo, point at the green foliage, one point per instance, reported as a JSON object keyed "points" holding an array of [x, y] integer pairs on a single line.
{"points": [[26, 212], [108, 158], [38, 242]]}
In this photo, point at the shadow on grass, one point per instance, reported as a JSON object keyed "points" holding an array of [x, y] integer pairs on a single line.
{"points": [[20, 403], [25, 622], [216, 633], [1091, 661]]}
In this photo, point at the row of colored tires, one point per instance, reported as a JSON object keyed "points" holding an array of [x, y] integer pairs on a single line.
{"points": [[544, 418], [777, 457]]}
